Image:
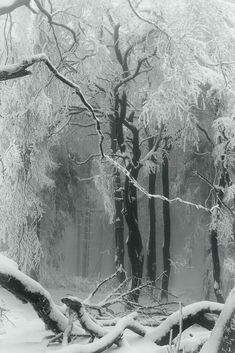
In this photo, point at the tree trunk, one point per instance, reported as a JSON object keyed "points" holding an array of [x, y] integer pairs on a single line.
{"points": [[151, 246], [86, 239], [119, 226], [224, 180], [134, 241], [167, 229], [216, 266]]}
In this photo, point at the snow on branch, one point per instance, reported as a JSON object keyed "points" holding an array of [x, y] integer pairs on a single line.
{"points": [[156, 196], [87, 323], [105, 342], [21, 69], [29, 291], [191, 314]]}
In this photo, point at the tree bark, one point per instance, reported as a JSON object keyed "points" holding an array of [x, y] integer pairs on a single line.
{"points": [[134, 241], [167, 229], [86, 239], [224, 180], [119, 226], [216, 266], [151, 245]]}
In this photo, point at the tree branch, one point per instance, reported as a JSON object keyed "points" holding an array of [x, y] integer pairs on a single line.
{"points": [[52, 22], [21, 69], [86, 160], [191, 314], [146, 20], [12, 5], [205, 133], [155, 146], [216, 189], [156, 196]]}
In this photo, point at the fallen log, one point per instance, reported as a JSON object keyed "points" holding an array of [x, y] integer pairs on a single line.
{"points": [[105, 342], [29, 291], [87, 323], [191, 314], [90, 325]]}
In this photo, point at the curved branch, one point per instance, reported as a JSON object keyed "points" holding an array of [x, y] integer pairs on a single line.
{"points": [[191, 314], [12, 5], [105, 342], [146, 20], [52, 22], [86, 160]]}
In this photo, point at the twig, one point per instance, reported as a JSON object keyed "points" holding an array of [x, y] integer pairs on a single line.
{"points": [[86, 160], [155, 146], [87, 300], [205, 133], [52, 22], [146, 20], [215, 189]]}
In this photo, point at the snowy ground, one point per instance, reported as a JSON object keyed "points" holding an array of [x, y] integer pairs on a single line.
{"points": [[25, 332]]}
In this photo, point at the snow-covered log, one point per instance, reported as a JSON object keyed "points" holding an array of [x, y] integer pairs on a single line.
{"points": [[92, 326], [222, 338], [105, 342], [29, 291], [191, 314], [87, 323]]}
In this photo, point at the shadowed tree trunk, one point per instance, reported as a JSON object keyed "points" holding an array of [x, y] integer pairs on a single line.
{"points": [[151, 245], [216, 266], [86, 239], [119, 226], [134, 241], [167, 229], [224, 180]]}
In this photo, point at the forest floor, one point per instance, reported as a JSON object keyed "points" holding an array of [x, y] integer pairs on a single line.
{"points": [[21, 331]]}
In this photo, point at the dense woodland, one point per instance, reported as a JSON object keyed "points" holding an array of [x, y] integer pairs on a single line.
{"points": [[117, 140]]}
